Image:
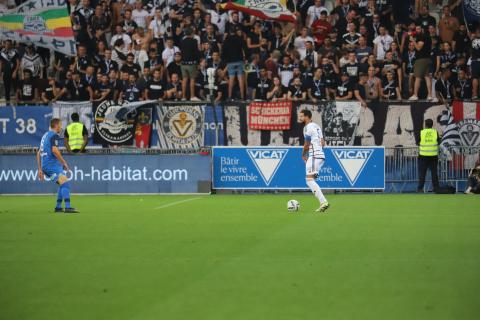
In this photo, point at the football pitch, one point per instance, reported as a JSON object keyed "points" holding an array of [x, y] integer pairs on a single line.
{"points": [[229, 257]]}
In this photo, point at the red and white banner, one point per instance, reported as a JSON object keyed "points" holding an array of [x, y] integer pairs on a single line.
{"points": [[270, 115], [467, 117]]}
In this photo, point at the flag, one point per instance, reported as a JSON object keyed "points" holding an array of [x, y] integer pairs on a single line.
{"points": [[471, 12], [264, 9], [450, 136], [43, 23], [270, 115], [143, 128], [467, 117]]}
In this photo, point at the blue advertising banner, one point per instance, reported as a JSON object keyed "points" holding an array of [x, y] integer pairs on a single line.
{"points": [[23, 125], [213, 128], [283, 168], [111, 174]]}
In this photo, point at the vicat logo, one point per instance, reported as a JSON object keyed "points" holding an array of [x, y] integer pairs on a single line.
{"points": [[352, 161], [267, 161]]}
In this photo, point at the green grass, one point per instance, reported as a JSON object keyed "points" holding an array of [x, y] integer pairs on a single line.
{"points": [[241, 257]]}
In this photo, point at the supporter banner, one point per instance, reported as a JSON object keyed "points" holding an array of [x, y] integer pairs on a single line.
{"points": [[264, 9], [112, 174], [283, 168], [23, 126], [391, 124], [63, 110], [269, 115], [467, 117], [41, 22], [213, 132], [179, 127], [471, 12], [115, 123], [143, 128]]}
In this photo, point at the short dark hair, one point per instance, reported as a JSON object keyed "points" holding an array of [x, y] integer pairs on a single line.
{"points": [[75, 117], [429, 123], [307, 113], [54, 122]]}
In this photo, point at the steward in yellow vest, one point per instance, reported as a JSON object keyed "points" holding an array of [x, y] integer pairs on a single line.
{"points": [[428, 155], [76, 135]]}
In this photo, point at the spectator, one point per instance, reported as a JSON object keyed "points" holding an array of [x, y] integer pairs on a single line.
{"points": [[318, 87], [278, 92], [461, 40], [463, 86], [382, 43], [132, 91], [169, 52], [174, 88], [90, 77], [446, 58], [409, 58], [202, 89], [234, 54], [315, 12], [27, 91], [155, 89], [447, 25], [120, 34], [423, 46], [297, 92], [128, 24], [107, 63], [474, 180], [475, 65], [9, 65], [300, 41], [285, 71], [350, 39], [191, 56], [352, 68], [130, 67], [390, 88], [425, 19], [443, 87], [78, 89], [321, 27], [344, 88], [53, 91], [359, 91], [389, 64], [104, 90], [262, 85], [363, 51], [139, 15], [33, 62]]}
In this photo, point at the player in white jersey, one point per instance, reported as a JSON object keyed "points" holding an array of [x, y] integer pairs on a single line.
{"points": [[313, 156]]}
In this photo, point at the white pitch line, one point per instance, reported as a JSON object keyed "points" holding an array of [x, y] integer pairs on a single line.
{"points": [[176, 202]]}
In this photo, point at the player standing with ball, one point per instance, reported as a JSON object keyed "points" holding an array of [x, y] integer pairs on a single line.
{"points": [[313, 156]]}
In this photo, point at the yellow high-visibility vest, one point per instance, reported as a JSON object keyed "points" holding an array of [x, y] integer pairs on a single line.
{"points": [[75, 135], [428, 143]]}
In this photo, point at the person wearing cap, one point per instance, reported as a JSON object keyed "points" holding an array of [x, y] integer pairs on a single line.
{"points": [[234, 54], [189, 67]]}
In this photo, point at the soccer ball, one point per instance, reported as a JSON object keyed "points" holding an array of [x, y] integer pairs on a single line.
{"points": [[293, 205]]}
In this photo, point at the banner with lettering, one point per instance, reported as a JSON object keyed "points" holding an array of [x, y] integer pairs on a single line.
{"points": [[45, 23], [270, 115]]}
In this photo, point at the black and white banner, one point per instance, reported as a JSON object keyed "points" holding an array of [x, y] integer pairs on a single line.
{"points": [[179, 127]]}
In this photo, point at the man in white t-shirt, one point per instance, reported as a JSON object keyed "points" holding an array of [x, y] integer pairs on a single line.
{"points": [[169, 52], [313, 12], [382, 43], [313, 156], [139, 15], [300, 42], [120, 34], [156, 29]]}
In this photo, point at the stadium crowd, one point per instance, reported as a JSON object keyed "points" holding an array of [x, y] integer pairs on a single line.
{"points": [[345, 50]]}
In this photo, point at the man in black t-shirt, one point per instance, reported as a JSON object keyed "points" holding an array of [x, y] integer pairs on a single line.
{"points": [[421, 67], [155, 89], [262, 85], [475, 50], [26, 90]]}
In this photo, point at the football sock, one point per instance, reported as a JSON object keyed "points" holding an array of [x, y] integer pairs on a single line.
{"points": [[316, 190], [59, 198], [66, 194]]}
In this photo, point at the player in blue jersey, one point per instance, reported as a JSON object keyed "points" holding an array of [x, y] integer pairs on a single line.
{"points": [[52, 166]]}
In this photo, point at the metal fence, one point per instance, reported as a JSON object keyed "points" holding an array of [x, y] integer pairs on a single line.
{"points": [[455, 165]]}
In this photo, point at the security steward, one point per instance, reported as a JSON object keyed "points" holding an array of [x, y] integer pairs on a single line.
{"points": [[76, 135], [428, 155]]}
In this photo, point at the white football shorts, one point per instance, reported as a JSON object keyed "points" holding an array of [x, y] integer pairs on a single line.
{"points": [[313, 165]]}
